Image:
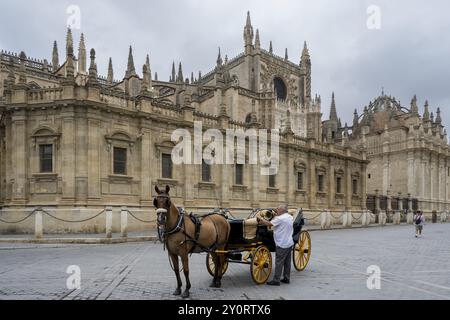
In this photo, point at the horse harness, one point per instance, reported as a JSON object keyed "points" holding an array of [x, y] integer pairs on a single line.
{"points": [[181, 227]]}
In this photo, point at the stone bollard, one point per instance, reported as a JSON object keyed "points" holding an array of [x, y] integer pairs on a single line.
{"points": [[109, 218], [410, 217], [382, 218], [397, 217], [347, 220], [444, 216], [323, 220], [124, 222], [38, 226], [366, 218], [328, 225]]}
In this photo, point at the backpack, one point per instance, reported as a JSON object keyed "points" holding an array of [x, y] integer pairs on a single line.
{"points": [[418, 220]]}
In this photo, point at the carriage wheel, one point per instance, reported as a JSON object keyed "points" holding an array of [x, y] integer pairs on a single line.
{"points": [[261, 265], [211, 266], [302, 251]]}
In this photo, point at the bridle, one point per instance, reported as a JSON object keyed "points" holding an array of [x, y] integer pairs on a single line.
{"points": [[161, 214]]}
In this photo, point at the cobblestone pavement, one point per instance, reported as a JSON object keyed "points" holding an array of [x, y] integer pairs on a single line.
{"points": [[410, 269]]}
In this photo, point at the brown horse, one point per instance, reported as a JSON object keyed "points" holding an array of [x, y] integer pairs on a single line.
{"points": [[180, 238]]}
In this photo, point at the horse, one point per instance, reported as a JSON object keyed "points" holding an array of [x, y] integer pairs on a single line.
{"points": [[182, 237]]}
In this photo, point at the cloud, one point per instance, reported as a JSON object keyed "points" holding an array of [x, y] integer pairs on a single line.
{"points": [[408, 55]]}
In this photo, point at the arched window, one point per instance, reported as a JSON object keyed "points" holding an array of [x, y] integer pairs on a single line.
{"points": [[280, 88]]}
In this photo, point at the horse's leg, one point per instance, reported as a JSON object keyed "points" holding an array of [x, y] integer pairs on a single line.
{"points": [[216, 271], [176, 269], [185, 261], [221, 258]]}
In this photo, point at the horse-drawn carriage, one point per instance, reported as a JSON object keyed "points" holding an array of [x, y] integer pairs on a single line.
{"points": [[225, 240], [250, 243]]}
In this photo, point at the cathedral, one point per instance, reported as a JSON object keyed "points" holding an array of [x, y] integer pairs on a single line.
{"points": [[408, 153], [74, 142]]}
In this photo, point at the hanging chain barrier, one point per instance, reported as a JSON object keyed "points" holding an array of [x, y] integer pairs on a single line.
{"points": [[21, 220], [358, 217], [143, 221], [314, 218], [342, 214], [73, 221]]}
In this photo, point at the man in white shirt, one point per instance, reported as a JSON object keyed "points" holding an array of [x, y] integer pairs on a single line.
{"points": [[282, 233]]}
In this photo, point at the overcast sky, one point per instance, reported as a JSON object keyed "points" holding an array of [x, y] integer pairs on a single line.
{"points": [[409, 54]]}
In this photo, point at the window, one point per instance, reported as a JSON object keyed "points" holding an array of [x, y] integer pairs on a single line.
{"points": [[166, 166], [299, 180], [320, 183], [369, 176], [338, 185], [206, 172], [120, 161], [272, 181], [280, 88], [46, 158], [239, 174], [355, 186]]}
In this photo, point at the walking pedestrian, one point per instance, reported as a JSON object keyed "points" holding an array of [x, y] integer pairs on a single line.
{"points": [[419, 222]]}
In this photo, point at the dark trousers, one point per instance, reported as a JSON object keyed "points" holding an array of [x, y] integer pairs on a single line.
{"points": [[283, 263]]}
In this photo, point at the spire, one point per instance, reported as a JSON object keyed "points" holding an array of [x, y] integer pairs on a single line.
{"points": [[438, 116], [180, 73], [199, 76], [55, 57], [92, 68], [156, 76], [69, 43], [219, 59], [146, 78], [414, 108], [426, 112], [305, 66], [82, 55], [149, 70], [305, 53], [147, 62], [248, 34], [192, 77], [131, 71], [110, 78], [333, 113], [257, 41], [286, 54], [355, 119], [22, 74], [270, 47], [173, 77]]}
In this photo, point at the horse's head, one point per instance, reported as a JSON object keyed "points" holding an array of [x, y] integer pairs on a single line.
{"points": [[162, 204]]}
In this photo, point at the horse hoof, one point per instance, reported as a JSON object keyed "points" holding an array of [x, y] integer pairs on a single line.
{"points": [[177, 292], [185, 295]]}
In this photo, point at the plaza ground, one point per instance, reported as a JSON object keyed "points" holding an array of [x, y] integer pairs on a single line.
{"points": [[410, 269]]}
